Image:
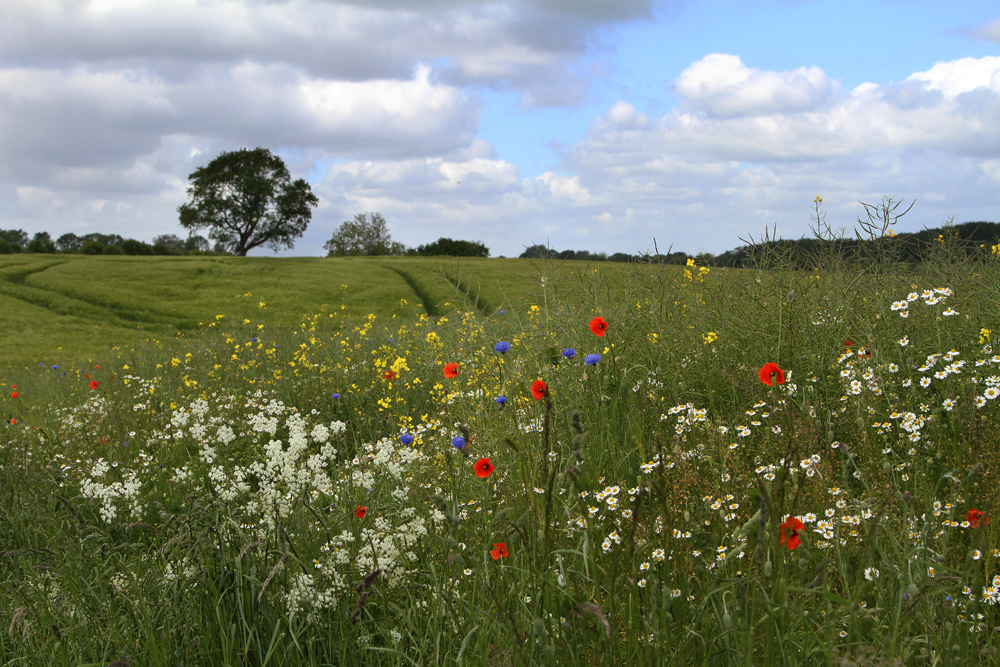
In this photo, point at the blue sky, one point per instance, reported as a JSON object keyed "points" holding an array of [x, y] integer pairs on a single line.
{"points": [[583, 124], [852, 41]]}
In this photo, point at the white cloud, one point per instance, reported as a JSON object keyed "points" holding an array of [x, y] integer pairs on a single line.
{"points": [[721, 85], [742, 159], [106, 107], [961, 76]]}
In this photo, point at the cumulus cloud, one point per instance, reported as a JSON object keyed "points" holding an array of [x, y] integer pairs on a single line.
{"points": [[496, 43], [753, 148], [721, 85], [107, 105]]}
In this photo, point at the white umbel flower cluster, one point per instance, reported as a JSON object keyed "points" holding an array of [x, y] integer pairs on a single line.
{"points": [[125, 491]]}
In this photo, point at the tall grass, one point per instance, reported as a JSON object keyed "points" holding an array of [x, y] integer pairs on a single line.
{"points": [[251, 494]]}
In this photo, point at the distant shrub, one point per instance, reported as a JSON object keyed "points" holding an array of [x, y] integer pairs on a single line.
{"points": [[41, 243], [92, 248], [453, 248], [161, 249], [133, 247]]}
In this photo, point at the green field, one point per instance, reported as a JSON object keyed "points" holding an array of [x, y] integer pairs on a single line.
{"points": [[336, 462], [70, 307]]}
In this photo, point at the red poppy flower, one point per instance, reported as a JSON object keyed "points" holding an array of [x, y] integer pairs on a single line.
{"points": [[539, 390], [769, 369], [13, 421], [598, 326], [450, 370], [976, 517], [13, 394], [790, 531], [360, 511], [483, 468], [93, 384], [499, 551], [389, 375]]}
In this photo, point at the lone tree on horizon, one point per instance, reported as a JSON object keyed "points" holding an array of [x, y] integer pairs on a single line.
{"points": [[367, 234], [247, 199]]}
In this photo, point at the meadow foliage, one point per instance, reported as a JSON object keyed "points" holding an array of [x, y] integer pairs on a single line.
{"points": [[657, 466]]}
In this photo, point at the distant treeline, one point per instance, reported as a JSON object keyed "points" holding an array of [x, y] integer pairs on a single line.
{"points": [[906, 247], [536, 251], [16, 240]]}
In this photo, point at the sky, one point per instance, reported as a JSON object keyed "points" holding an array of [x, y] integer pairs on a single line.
{"points": [[600, 125]]}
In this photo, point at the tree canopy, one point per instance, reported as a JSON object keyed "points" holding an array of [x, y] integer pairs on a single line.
{"points": [[247, 199], [453, 248], [366, 234]]}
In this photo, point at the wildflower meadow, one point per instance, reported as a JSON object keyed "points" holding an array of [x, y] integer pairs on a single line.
{"points": [[657, 465]]}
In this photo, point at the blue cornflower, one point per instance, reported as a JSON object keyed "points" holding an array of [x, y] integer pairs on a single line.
{"points": [[458, 442], [569, 353], [253, 340], [503, 312], [502, 346], [335, 396], [55, 368], [501, 400], [592, 359], [406, 439]]}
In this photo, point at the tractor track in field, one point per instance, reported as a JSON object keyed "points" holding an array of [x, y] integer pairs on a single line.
{"points": [[13, 283], [422, 294], [465, 291]]}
